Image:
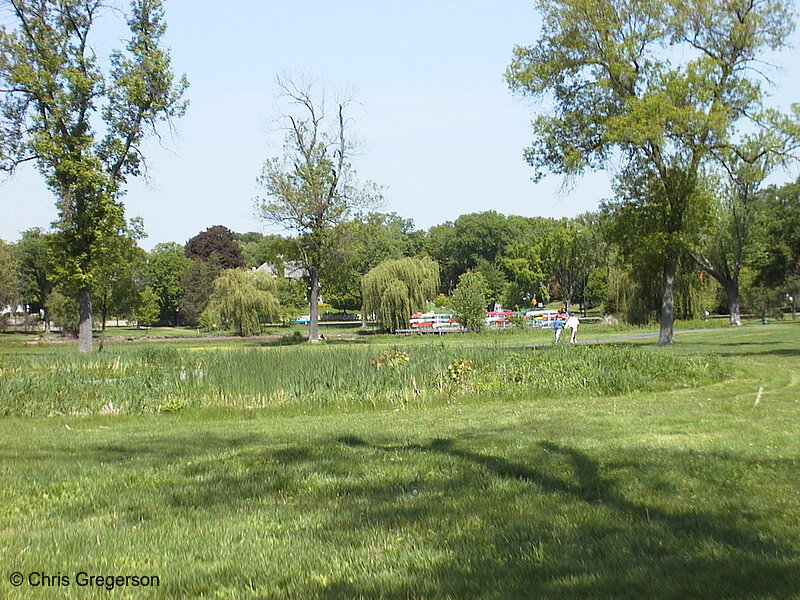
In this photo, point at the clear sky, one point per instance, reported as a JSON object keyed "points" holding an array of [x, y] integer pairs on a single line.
{"points": [[440, 130]]}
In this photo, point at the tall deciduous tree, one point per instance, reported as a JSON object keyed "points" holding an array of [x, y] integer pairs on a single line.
{"points": [[569, 255], [731, 242], [779, 266], [146, 309], [638, 225], [396, 288], [119, 277], [527, 279], [661, 82], [311, 188], [727, 244], [472, 239], [197, 283], [54, 93]]}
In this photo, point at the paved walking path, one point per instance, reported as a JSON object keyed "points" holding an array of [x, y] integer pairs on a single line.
{"points": [[627, 336], [634, 336]]}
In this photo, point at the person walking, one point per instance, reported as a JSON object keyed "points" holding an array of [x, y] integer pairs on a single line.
{"points": [[558, 325], [572, 324]]}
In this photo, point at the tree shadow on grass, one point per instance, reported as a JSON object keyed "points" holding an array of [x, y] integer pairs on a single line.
{"points": [[717, 558], [746, 347], [481, 518], [782, 352], [160, 449], [611, 547]]}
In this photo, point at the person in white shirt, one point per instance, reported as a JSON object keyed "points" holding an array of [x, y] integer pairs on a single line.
{"points": [[572, 324]]}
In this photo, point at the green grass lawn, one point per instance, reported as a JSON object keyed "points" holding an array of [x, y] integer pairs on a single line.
{"points": [[493, 487]]}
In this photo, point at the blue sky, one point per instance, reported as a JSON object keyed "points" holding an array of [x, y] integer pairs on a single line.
{"points": [[440, 130]]}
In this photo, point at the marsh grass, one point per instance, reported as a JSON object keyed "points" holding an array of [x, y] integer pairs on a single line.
{"points": [[309, 379]]}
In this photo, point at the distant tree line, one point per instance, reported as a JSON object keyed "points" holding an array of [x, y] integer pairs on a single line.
{"points": [[590, 261]]}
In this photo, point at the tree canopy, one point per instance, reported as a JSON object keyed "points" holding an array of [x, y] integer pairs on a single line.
{"points": [[779, 264], [460, 245], [361, 244], [9, 276], [216, 244]]}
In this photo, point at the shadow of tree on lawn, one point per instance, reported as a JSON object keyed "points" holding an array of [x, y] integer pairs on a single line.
{"points": [[552, 523], [724, 559]]}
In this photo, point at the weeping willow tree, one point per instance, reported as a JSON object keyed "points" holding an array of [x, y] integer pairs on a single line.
{"points": [[396, 288], [635, 293], [243, 301]]}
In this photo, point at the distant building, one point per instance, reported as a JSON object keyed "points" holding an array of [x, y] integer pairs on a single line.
{"points": [[10, 310], [291, 270]]}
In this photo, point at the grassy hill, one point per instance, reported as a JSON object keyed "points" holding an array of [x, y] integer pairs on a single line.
{"points": [[615, 470]]}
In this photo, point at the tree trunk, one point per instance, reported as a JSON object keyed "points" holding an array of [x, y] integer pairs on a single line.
{"points": [[569, 300], [313, 306], [732, 291], [666, 335], [85, 320]]}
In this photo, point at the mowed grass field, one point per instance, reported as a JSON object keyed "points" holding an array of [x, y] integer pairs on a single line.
{"points": [[471, 470]]}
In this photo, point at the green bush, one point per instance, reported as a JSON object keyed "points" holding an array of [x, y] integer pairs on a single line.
{"points": [[63, 311], [391, 358], [469, 300]]}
